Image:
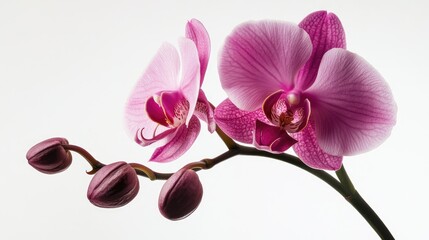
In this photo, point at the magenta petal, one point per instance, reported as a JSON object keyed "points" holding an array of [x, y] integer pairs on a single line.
{"points": [[160, 138], [326, 32], [190, 84], [155, 112], [196, 31], [205, 112], [311, 154], [175, 107], [271, 138], [269, 103], [259, 58], [353, 107], [236, 123], [179, 144], [160, 75]]}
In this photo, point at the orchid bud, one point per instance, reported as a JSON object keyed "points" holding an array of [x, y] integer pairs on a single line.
{"points": [[180, 195], [49, 156], [114, 185]]}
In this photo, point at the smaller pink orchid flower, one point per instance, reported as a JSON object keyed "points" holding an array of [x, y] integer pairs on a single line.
{"points": [[163, 107], [297, 86]]}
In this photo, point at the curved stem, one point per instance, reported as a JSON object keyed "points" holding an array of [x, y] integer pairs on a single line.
{"points": [[326, 177], [96, 165], [230, 144], [356, 200], [344, 186]]}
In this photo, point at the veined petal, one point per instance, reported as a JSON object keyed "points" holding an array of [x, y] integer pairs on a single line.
{"points": [[236, 123], [205, 112], [311, 154], [259, 58], [175, 107], [326, 32], [179, 144], [160, 139], [161, 74], [190, 84], [196, 31], [269, 103], [353, 107], [271, 138]]}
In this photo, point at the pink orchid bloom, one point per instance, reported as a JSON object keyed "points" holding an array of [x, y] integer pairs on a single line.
{"points": [[163, 107], [297, 86]]}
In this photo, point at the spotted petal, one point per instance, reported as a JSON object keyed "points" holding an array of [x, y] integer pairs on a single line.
{"points": [[179, 144], [236, 123], [161, 74], [310, 152], [326, 32], [353, 107], [205, 112], [259, 58]]}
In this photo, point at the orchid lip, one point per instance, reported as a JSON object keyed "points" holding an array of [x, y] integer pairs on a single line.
{"points": [[169, 108], [287, 111]]}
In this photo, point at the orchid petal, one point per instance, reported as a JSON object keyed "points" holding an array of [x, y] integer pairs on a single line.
{"points": [[179, 144], [160, 75], [301, 117], [353, 106], [326, 32], [269, 102], [155, 112], [190, 83], [175, 107], [196, 31], [160, 139], [271, 138], [236, 123], [310, 152], [260, 58], [205, 112]]}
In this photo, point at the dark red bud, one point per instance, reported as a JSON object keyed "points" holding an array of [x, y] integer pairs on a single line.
{"points": [[114, 185], [180, 195], [50, 156]]}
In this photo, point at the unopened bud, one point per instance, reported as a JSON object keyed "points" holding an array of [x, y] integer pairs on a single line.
{"points": [[180, 195], [114, 185], [50, 156]]}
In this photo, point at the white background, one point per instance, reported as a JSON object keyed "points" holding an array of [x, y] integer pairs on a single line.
{"points": [[67, 68]]}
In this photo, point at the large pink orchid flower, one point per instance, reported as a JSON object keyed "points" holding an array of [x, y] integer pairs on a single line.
{"points": [[297, 86], [163, 107]]}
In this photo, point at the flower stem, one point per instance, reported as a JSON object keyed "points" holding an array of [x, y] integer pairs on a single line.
{"points": [[356, 200], [96, 165], [344, 185]]}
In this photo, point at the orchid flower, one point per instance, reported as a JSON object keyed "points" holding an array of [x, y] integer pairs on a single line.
{"points": [[297, 86], [163, 107]]}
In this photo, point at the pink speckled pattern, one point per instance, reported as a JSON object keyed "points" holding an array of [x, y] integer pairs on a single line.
{"points": [[162, 106], [349, 103], [236, 123], [310, 152]]}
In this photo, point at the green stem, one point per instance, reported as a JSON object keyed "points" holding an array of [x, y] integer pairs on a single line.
{"points": [[326, 177], [344, 186], [356, 200]]}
